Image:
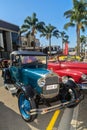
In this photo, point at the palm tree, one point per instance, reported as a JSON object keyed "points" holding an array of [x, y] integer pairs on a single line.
{"points": [[31, 26], [83, 42], [78, 18], [48, 32], [64, 38]]}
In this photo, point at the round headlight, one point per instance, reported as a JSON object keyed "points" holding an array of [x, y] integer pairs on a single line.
{"points": [[64, 79], [83, 76], [41, 82]]}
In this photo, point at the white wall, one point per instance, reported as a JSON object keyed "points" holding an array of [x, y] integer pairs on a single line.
{"points": [[1, 40]]}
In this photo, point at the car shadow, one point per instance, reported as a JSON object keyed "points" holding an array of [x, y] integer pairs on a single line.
{"points": [[42, 121], [10, 120]]}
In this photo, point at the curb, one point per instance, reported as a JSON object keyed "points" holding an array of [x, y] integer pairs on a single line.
{"points": [[74, 120]]}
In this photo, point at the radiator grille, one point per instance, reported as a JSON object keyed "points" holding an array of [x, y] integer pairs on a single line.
{"points": [[51, 80]]}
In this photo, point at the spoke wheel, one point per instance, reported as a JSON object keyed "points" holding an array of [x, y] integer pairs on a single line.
{"points": [[69, 94], [25, 105]]}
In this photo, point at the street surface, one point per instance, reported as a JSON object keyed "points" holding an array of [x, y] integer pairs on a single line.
{"points": [[82, 116], [68, 119]]}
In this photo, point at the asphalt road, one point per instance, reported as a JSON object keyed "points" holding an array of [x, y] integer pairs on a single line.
{"points": [[68, 119]]}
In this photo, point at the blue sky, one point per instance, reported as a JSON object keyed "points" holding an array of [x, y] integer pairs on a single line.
{"points": [[49, 11]]}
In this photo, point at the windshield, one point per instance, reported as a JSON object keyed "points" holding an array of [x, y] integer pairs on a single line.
{"points": [[34, 61]]}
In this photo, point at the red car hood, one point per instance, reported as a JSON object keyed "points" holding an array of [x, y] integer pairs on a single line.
{"points": [[80, 66], [68, 64]]}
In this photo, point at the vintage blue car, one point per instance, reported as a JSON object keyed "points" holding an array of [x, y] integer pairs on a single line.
{"points": [[28, 78]]}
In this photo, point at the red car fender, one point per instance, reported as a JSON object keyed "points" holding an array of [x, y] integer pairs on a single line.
{"points": [[76, 75]]}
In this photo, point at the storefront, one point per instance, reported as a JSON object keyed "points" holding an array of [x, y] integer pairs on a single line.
{"points": [[9, 37]]}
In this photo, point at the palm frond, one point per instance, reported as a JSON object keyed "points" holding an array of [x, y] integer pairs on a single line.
{"points": [[68, 13], [69, 24], [23, 30], [25, 26]]}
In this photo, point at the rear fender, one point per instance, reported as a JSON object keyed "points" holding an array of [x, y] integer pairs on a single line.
{"points": [[6, 75]]}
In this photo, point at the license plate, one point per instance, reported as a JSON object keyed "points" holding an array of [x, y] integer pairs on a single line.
{"points": [[49, 87]]}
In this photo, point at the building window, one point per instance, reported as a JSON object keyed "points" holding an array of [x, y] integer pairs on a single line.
{"points": [[15, 40]]}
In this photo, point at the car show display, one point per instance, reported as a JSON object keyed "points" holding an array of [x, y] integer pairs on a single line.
{"points": [[28, 78], [71, 69]]}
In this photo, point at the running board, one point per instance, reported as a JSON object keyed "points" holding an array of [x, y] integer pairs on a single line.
{"points": [[11, 88]]}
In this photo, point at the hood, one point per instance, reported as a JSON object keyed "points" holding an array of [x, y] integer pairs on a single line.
{"points": [[69, 72], [32, 76], [81, 65], [39, 72]]}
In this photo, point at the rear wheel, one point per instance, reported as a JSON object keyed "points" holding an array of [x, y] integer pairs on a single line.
{"points": [[25, 105]]}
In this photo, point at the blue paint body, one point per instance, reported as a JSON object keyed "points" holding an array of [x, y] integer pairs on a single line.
{"points": [[28, 76]]}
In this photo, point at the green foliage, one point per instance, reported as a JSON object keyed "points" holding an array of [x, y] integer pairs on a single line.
{"points": [[48, 32], [31, 25], [78, 18]]}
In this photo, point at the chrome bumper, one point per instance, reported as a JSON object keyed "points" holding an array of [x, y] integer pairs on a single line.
{"points": [[55, 107], [83, 85]]}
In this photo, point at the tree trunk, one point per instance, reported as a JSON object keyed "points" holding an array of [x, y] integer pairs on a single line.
{"points": [[78, 40], [34, 43], [62, 45], [50, 46]]}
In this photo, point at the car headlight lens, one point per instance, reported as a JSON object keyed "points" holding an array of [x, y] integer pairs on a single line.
{"points": [[41, 82], [83, 76], [64, 79]]}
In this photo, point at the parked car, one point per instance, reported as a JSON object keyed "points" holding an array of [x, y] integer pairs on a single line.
{"points": [[71, 69], [4, 62], [28, 78]]}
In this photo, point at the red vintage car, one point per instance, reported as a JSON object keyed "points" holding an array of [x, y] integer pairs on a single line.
{"points": [[71, 69]]}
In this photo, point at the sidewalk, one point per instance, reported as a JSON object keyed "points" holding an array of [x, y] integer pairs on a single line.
{"points": [[79, 119], [82, 114], [1, 83]]}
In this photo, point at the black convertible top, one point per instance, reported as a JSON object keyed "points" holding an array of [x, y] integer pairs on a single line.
{"points": [[31, 53]]}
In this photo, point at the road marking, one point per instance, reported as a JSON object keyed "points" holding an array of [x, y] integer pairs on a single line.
{"points": [[53, 120]]}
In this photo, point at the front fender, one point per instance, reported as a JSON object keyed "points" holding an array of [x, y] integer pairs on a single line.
{"points": [[71, 83], [75, 74], [28, 90]]}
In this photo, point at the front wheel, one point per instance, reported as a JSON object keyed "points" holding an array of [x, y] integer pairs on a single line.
{"points": [[25, 105], [69, 94]]}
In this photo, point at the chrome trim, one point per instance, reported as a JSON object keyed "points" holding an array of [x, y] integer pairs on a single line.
{"points": [[83, 86], [51, 75], [50, 79], [84, 76], [49, 95]]}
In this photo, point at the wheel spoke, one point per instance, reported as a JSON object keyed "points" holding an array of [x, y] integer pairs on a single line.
{"points": [[24, 106], [72, 94]]}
